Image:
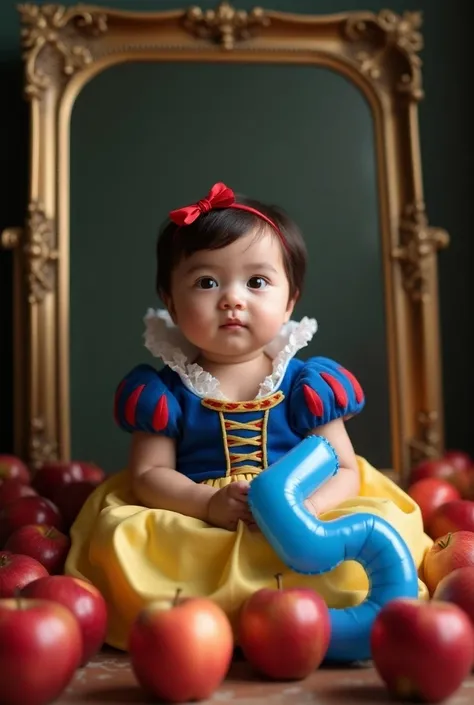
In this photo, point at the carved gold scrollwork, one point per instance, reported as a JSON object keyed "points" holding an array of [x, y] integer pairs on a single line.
{"points": [[63, 29], [40, 253], [41, 448], [36, 241], [225, 25], [418, 242], [427, 445], [389, 31]]}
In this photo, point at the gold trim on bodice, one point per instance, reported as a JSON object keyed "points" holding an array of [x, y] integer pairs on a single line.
{"points": [[242, 406]]}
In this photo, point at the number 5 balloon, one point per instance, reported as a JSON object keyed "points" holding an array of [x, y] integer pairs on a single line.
{"points": [[308, 545]]}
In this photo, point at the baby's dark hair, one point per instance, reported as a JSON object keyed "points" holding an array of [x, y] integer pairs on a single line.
{"points": [[221, 227]]}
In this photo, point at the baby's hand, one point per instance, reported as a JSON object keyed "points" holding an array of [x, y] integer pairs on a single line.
{"points": [[228, 505]]}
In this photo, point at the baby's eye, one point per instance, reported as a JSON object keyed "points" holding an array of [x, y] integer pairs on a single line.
{"points": [[206, 283], [257, 283]]}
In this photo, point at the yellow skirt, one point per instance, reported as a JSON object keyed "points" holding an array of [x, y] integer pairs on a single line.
{"points": [[134, 554]]}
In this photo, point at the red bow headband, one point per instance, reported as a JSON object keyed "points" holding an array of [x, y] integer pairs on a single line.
{"points": [[220, 196]]}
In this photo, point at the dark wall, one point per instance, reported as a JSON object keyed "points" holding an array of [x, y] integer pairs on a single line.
{"points": [[446, 139]]}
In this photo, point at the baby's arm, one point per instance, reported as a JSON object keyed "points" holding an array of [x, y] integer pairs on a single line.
{"points": [[156, 483], [346, 483]]}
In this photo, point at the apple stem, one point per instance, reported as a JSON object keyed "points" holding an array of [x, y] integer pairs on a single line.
{"points": [[3, 561], [279, 580], [176, 597], [443, 543]]}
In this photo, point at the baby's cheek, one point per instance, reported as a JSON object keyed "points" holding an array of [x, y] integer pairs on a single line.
{"points": [[192, 312], [195, 324], [273, 319]]}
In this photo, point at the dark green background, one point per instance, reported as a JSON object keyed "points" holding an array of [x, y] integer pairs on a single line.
{"points": [[279, 134]]}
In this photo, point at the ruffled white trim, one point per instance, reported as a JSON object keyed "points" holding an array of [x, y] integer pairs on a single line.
{"points": [[165, 340]]}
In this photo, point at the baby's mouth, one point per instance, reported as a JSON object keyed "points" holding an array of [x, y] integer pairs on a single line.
{"points": [[233, 323]]}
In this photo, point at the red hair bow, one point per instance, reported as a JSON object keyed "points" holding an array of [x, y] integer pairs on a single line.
{"points": [[220, 196]]}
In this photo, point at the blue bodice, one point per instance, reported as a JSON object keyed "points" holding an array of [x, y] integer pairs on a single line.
{"points": [[217, 438]]}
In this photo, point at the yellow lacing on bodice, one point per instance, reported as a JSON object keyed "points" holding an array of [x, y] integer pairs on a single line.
{"points": [[232, 441], [243, 466]]}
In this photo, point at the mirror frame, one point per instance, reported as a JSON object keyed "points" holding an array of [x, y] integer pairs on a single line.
{"points": [[65, 47]]}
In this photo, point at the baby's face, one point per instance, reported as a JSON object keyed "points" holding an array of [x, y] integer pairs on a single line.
{"points": [[232, 302]]}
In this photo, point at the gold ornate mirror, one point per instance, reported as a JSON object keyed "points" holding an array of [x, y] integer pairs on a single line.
{"points": [[376, 62]]}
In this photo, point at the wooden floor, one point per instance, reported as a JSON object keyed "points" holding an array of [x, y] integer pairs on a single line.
{"points": [[108, 680]]}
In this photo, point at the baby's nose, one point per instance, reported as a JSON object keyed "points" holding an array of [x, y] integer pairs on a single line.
{"points": [[232, 298]]}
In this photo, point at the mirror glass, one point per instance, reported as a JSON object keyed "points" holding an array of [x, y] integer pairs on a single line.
{"points": [[148, 137]]}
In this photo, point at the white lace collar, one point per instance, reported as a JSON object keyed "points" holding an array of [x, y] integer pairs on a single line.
{"points": [[165, 340]]}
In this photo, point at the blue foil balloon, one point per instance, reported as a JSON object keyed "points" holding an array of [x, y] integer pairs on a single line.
{"points": [[307, 545]]}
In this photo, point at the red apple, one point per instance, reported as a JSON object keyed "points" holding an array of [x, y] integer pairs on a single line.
{"points": [[422, 650], [272, 619], [458, 587], [463, 481], [70, 500], [55, 475], [16, 571], [91, 472], [85, 602], [12, 468], [28, 510], [445, 555], [45, 543], [430, 493], [181, 650], [51, 478], [40, 649], [11, 490], [432, 467], [457, 515], [469, 494], [459, 459]]}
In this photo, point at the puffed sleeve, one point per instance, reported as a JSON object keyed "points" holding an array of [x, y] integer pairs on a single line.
{"points": [[322, 392], [144, 403]]}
